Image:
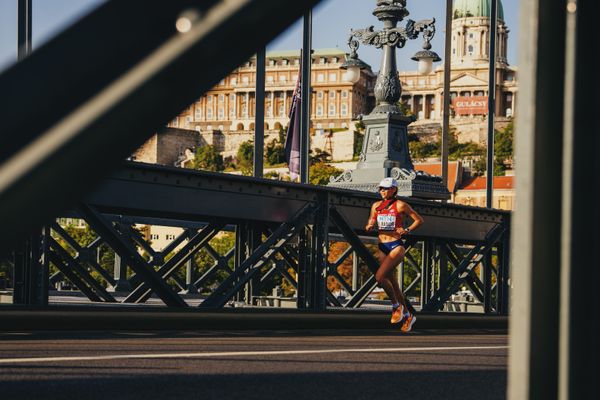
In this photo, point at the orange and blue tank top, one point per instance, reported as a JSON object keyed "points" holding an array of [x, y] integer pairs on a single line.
{"points": [[387, 216]]}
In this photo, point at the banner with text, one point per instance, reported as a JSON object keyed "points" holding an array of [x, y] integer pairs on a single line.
{"points": [[474, 105]]}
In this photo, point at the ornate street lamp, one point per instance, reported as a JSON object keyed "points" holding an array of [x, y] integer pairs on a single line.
{"points": [[385, 147]]}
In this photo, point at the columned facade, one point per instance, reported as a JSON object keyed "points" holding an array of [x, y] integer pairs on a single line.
{"points": [[230, 105]]}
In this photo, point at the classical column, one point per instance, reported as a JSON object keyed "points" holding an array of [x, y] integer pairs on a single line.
{"points": [[272, 104], [247, 112]]}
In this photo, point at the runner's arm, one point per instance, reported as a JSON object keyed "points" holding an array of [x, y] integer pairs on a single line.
{"points": [[405, 208], [372, 218]]}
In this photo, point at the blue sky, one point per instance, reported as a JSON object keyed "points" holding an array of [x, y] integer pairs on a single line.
{"points": [[332, 21]]}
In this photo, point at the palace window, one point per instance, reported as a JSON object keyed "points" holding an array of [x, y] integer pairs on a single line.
{"points": [[333, 77], [319, 111], [344, 109], [320, 78], [344, 94], [319, 95], [332, 109], [332, 94]]}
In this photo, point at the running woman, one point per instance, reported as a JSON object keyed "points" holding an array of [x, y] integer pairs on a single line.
{"points": [[388, 214]]}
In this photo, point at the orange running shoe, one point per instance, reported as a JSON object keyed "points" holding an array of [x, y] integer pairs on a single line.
{"points": [[397, 314], [408, 323]]}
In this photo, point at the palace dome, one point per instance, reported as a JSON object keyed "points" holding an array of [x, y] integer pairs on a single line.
{"points": [[475, 8]]}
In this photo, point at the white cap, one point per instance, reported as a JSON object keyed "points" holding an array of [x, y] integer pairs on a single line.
{"points": [[388, 183]]}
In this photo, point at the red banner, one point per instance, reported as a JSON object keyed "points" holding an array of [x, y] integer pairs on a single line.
{"points": [[475, 105]]}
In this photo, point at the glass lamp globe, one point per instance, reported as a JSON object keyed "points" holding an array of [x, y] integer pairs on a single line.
{"points": [[425, 66], [353, 74], [425, 59]]}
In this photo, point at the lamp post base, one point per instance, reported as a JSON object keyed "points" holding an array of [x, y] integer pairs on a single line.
{"points": [[385, 154]]}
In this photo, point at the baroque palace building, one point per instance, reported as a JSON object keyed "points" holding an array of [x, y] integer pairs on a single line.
{"points": [[469, 75], [229, 107]]}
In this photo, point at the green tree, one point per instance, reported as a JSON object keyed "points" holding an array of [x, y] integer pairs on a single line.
{"points": [[318, 156], [274, 153], [420, 150], [222, 243], [405, 108], [503, 142], [319, 173], [503, 152], [207, 158], [245, 157]]}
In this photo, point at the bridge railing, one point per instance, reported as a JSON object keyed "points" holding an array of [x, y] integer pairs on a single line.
{"points": [[234, 239]]}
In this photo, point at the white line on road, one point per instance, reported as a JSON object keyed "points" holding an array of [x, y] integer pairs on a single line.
{"points": [[242, 353]]}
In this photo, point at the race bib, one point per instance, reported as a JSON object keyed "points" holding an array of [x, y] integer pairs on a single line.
{"points": [[386, 222]]}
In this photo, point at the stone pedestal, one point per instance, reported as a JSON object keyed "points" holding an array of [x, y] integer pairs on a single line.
{"points": [[385, 154]]}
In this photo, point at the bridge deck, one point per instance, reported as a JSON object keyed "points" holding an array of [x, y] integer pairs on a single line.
{"points": [[332, 364]]}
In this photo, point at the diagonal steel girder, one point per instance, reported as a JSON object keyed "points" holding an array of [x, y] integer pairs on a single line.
{"points": [[475, 285], [260, 256], [79, 249], [107, 83], [360, 295], [130, 256], [142, 292], [468, 263], [85, 276], [70, 274]]}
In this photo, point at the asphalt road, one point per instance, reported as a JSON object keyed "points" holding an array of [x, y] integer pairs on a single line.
{"points": [[320, 364]]}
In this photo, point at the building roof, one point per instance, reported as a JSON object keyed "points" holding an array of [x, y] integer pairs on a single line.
{"points": [[454, 172], [475, 8], [479, 183]]}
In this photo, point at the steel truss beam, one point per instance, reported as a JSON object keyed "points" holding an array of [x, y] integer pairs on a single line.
{"points": [[127, 252], [335, 211], [262, 254], [142, 292], [471, 260]]}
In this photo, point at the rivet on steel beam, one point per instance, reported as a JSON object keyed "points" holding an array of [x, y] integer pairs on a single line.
{"points": [[186, 20]]}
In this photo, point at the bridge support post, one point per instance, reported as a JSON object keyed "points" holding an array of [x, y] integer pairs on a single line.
{"points": [[303, 300], [320, 252], [252, 288], [120, 274], [31, 271], [425, 272], [190, 288]]}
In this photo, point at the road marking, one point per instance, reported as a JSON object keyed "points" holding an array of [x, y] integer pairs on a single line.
{"points": [[242, 353]]}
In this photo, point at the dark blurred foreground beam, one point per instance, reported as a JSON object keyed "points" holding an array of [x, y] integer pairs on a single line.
{"points": [[537, 225], [85, 100]]}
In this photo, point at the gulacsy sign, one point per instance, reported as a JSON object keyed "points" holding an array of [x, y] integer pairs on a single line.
{"points": [[474, 105]]}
